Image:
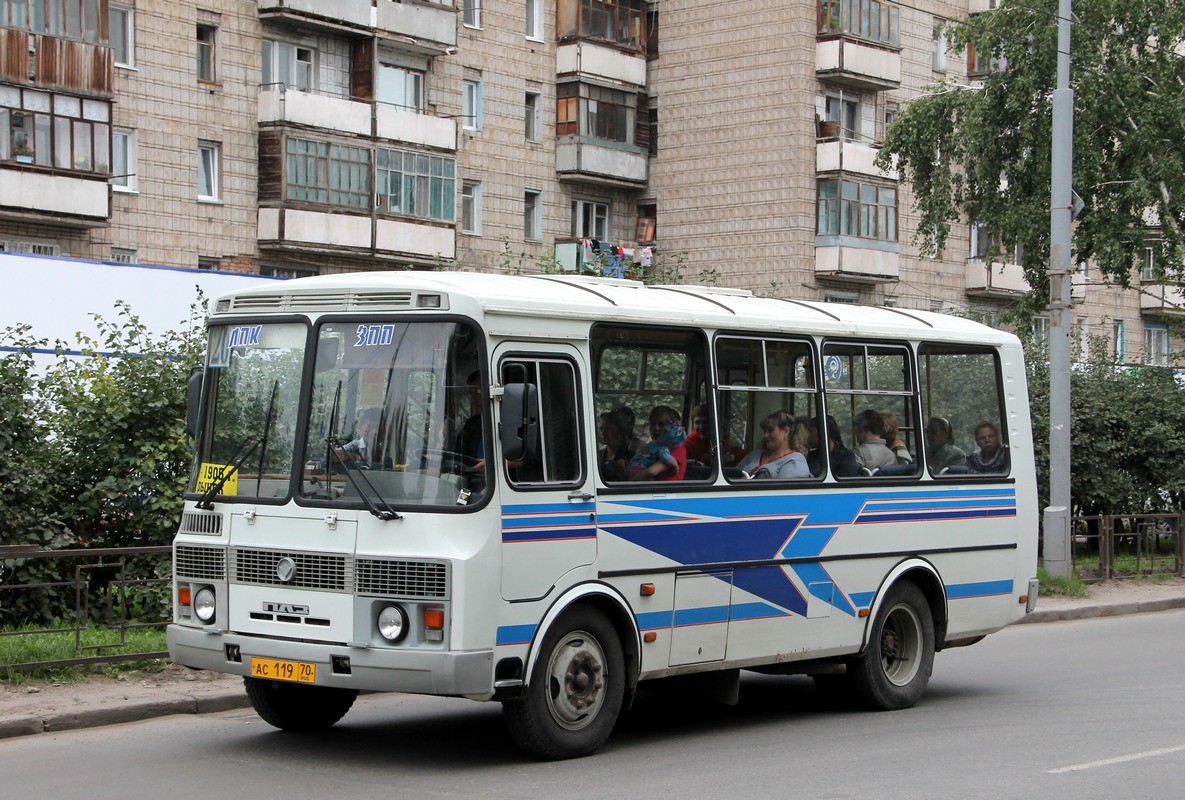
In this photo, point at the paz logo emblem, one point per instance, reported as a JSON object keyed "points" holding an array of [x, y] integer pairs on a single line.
{"points": [[285, 569]]}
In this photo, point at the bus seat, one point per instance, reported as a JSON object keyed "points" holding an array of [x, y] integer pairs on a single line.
{"points": [[896, 470]]}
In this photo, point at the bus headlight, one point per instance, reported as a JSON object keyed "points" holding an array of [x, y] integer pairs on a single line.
{"points": [[393, 623], [203, 604]]}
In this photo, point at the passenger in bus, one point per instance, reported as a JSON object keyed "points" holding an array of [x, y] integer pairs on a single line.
{"points": [[364, 448], [663, 458], [700, 444], [893, 439], [990, 456], [619, 443], [872, 451], [942, 452], [471, 439], [843, 460], [784, 442]]}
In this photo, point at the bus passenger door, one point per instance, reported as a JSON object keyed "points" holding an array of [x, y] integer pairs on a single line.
{"points": [[548, 501]]}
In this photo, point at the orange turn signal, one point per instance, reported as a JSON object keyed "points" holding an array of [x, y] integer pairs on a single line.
{"points": [[649, 637], [183, 596], [433, 618], [647, 589], [1024, 598], [862, 613]]}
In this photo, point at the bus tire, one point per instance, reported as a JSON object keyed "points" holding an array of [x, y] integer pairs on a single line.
{"points": [[292, 707], [895, 667], [576, 689]]}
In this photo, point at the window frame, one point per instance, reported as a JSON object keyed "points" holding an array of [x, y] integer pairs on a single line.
{"points": [[126, 181], [128, 27], [534, 20], [533, 215], [210, 60], [532, 116], [214, 178], [925, 409], [580, 436], [471, 197], [471, 102], [586, 210], [847, 213], [1158, 347], [270, 56], [422, 186], [471, 13]]}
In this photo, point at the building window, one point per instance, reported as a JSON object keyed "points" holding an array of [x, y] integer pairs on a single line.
{"points": [[594, 111], [285, 272], [471, 207], [123, 255], [845, 113], [328, 174], [532, 215], [69, 19], [471, 105], [30, 248], [122, 33], [875, 20], [1041, 331], [1117, 335], [647, 228], [417, 184], [864, 210], [209, 262], [534, 28], [471, 13], [652, 138], [590, 220], [1156, 344], [123, 160], [207, 37], [940, 46], [1148, 265], [617, 21], [401, 88], [209, 167], [531, 116], [55, 130], [289, 66]]}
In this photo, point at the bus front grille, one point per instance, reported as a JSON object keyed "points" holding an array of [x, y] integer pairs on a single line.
{"points": [[202, 563], [402, 578], [313, 570]]}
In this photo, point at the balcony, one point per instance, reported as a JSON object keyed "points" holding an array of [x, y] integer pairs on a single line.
{"points": [[34, 196], [298, 230], [591, 162], [431, 24], [590, 59], [429, 27], [857, 64], [995, 281], [1162, 300], [835, 153], [279, 106], [333, 15], [851, 260]]}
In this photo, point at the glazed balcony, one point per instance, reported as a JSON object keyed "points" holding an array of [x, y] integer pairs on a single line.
{"points": [[995, 280], [858, 44]]}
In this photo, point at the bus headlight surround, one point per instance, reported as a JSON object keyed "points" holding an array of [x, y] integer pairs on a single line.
{"points": [[393, 624], [203, 604]]}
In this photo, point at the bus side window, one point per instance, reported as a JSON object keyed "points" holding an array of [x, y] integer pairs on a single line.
{"points": [[557, 456], [962, 400]]}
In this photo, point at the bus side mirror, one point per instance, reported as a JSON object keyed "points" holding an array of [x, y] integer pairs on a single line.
{"points": [[192, 402], [519, 430]]}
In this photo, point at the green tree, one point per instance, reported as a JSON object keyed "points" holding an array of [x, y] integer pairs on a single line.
{"points": [[983, 151]]}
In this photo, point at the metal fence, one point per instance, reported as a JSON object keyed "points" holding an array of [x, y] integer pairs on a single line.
{"points": [[1117, 546], [97, 587]]}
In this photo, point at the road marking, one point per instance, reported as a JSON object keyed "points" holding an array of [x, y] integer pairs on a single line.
{"points": [[1106, 762]]}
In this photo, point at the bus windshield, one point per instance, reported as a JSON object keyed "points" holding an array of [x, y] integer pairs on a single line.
{"points": [[394, 418], [253, 375]]}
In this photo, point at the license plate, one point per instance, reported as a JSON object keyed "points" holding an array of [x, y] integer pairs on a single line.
{"points": [[275, 669]]}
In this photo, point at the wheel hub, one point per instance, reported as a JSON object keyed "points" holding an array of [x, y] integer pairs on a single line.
{"points": [[576, 679]]}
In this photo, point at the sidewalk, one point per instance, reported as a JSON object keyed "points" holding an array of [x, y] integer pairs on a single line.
{"points": [[49, 708]]}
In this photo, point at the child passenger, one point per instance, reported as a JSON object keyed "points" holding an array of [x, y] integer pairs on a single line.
{"points": [[665, 448]]}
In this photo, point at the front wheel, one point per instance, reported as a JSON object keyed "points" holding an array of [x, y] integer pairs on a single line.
{"points": [[576, 689], [896, 665], [292, 707]]}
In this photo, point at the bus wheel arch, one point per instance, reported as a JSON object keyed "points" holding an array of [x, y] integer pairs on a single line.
{"points": [[925, 576], [576, 685], [894, 667]]}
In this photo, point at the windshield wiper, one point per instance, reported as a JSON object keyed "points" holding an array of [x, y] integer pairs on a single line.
{"points": [[386, 513], [205, 501]]}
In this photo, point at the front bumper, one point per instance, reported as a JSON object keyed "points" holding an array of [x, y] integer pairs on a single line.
{"points": [[468, 674]]}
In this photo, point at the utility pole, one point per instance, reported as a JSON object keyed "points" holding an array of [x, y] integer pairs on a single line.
{"points": [[1061, 216]]}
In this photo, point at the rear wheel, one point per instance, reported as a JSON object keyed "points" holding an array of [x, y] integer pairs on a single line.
{"points": [[293, 707], [896, 665], [575, 692]]}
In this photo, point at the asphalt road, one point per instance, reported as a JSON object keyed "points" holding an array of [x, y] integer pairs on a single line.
{"points": [[1088, 709]]}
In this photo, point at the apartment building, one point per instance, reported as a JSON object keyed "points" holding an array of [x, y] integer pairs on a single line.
{"points": [[733, 141]]}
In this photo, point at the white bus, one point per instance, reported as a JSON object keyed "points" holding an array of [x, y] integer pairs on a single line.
{"points": [[429, 483]]}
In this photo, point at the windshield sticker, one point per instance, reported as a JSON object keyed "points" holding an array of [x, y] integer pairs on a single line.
{"points": [[209, 474], [224, 339], [374, 335]]}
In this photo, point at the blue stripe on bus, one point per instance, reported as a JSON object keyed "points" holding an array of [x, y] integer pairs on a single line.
{"points": [[925, 516], [709, 615], [749, 611], [956, 503], [862, 599], [960, 591], [547, 508], [550, 534], [654, 620], [625, 519], [546, 522], [515, 634]]}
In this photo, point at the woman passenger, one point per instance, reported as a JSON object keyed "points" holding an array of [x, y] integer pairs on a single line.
{"points": [[784, 442]]}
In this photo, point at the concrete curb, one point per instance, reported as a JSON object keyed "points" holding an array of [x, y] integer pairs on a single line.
{"points": [[1103, 610], [132, 711]]}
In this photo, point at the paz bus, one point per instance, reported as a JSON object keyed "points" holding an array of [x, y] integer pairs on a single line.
{"points": [[399, 484]]}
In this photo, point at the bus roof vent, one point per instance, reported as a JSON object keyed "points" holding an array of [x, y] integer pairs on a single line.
{"points": [[318, 300], [369, 299], [258, 301]]}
